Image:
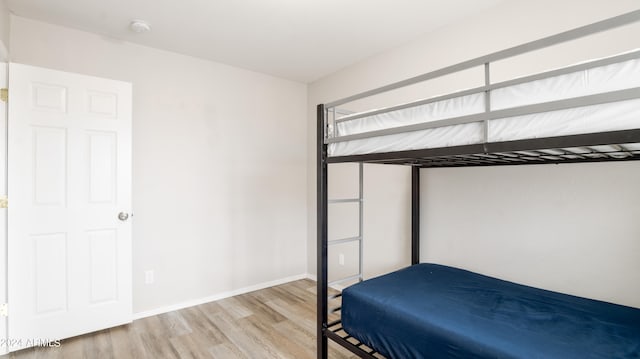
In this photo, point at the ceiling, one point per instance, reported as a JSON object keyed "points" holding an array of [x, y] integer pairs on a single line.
{"points": [[301, 40]]}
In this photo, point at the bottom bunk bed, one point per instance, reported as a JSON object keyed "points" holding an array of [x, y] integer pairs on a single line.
{"points": [[434, 311]]}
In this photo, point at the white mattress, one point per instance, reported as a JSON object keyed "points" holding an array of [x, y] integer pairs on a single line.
{"points": [[621, 115]]}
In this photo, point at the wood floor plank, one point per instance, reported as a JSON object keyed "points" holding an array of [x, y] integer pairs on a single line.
{"points": [[296, 334], [259, 308], [191, 346], [127, 342], [293, 314], [99, 345], [287, 348], [158, 347], [227, 350], [277, 322], [234, 307], [72, 348], [174, 324], [238, 338]]}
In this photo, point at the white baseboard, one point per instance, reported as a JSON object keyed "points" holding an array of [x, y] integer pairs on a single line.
{"points": [[223, 295]]}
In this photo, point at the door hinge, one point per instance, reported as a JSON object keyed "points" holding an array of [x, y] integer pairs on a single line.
{"points": [[4, 310], [4, 95], [4, 202]]}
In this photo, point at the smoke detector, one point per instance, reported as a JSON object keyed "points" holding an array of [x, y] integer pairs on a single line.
{"points": [[139, 26]]}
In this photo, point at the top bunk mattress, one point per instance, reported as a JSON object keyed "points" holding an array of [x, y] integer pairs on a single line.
{"points": [[435, 311], [614, 116]]}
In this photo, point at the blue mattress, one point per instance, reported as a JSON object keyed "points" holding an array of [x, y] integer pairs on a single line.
{"points": [[435, 311]]}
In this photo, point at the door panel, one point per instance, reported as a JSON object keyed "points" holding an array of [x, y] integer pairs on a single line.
{"points": [[49, 165], [50, 261], [49, 98], [69, 177], [103, 266], [102, 166]]}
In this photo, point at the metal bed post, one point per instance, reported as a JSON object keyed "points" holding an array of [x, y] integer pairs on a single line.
{"points": [[487, 100], [322, 300], [415, 215], [361, 221]]}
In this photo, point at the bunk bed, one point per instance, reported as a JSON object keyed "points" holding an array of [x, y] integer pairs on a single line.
{"points": [[588, 112]]}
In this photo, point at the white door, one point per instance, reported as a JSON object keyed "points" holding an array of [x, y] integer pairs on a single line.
{"points": [[69, 178]]}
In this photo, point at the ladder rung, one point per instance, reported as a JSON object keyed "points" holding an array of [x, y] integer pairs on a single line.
{"points": [[344, 200], [336, 309], [335, 296], [353, 277], [344, 240]]}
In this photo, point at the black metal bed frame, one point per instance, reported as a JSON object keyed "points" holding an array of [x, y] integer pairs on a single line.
{"points": [[519, 152]]}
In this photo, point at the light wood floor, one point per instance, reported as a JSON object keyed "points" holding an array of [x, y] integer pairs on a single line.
{"points": [[277, 322]]}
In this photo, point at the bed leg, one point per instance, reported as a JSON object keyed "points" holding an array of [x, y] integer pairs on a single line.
{"points": [[322, 240], [323, 349], [415, 215]]}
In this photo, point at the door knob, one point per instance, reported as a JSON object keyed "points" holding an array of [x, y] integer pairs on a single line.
{"points": [[123, 216]]}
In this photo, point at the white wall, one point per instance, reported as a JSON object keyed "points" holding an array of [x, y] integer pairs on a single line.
{"points": [[3, 211], [219, 167], [4, 55], [569, 228], [4, 30]]}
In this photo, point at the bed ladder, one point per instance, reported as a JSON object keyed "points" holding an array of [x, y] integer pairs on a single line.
{"points": [[358, 238], [334, 328]]}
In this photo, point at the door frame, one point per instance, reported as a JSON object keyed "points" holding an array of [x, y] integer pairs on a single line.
{"points": [[4, 82]]}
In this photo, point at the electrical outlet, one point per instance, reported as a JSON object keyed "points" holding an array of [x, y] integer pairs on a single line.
{"points": [[341, 259], [148, 277]]}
